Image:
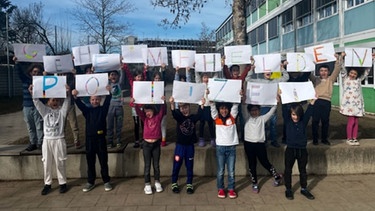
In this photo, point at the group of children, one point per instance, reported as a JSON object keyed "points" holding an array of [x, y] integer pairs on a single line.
{"points": [[222, 114]]}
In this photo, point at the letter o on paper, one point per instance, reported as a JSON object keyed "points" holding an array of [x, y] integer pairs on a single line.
{"points": [[92, 86]]}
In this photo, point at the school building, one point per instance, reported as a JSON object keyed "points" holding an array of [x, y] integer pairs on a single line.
{"points": [[282, 26]]}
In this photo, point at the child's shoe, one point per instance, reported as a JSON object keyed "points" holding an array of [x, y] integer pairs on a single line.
{"points": [[255, 188], [189, 189], [278, 180], [63, 188], [46, 189], [213, 142], [201, 142], [355, 142], [232, 194], [158, 187], [136, 144], [350, 142], [221, 194], [175, 188], [148, 189]]}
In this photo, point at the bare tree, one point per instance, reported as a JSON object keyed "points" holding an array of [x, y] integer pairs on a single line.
{"points": [[101, 20], [207, 38], [183, 10], [6, 7]]}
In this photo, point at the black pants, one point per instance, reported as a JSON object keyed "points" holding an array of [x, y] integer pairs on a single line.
{"points": [[254, 151], [291, 155], [321, 112], [96, 146], [151, 151]]}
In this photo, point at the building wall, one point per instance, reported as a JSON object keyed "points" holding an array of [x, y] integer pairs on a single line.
{"points": [[349, 27]]}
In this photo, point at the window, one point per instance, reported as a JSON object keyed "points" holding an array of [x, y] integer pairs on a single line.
{"points": [[303, 12], [326, 8], [352, 3], [253, 5], [253, 37], [273, 28], [287, 21], [261, 2], [261, 33]]}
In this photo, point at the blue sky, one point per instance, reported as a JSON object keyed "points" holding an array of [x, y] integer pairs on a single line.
{"points": [[145, 20]]}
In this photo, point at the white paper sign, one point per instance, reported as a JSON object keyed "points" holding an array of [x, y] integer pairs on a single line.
{"points": [[267, 63], [299, 62], [185, 92], [238, 54], [210, 62], [224, 90], [292, 92], [134, 53], [358, 57], [322, 53], [29, 52], [261, 93], [92, 84], [49, 86], [148, 92], [106, 62], [58, 64], [157, 56], [83, 54], [183, 58]]}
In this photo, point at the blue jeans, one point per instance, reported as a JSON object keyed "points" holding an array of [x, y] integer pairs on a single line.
{"points": [[34, 124], [225, 155], [272, 127]]}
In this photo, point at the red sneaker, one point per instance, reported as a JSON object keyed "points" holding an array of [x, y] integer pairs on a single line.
{"points": [[163, 143], [221, 194], [232, 194]]}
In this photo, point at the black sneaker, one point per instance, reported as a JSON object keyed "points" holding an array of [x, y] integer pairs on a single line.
{"points": [[189, 189], [307, 194], [289, 194], [46, 189], [326, 143], [31, 147], [175, 188], [63, 188], [315, 143]]}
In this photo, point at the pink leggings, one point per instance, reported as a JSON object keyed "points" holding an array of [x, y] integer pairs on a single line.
{"points": [[352, 127]]}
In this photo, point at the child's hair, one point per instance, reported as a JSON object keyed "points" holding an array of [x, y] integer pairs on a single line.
{"points": [[235, 66], [183, 104], [32, 66], [113, 71], [137, 72], [324, 66], [182, 76], [151, 107], [204, 74], [250, 106], [359, 70], [224, 104], [298, 110], [156, 73]]}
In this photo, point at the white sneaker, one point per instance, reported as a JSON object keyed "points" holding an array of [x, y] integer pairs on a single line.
{"points": [[158, 187], [350, 142], [355, 142], [148, 189]]}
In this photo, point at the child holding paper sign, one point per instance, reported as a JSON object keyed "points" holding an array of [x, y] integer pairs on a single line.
{"points": [[322, 109], [96, 144], [151, 142], [136, 76], [116, 112], [224, 115], [352, 104], [254, 144], [54, 145], [184, 150], [32, 117]]}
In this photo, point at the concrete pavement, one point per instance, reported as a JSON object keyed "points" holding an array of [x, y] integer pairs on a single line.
{"points": [[349, 192]]}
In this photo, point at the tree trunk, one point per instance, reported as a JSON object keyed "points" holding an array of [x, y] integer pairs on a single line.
{"points": [[239, 22]]}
